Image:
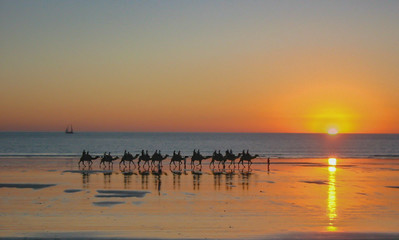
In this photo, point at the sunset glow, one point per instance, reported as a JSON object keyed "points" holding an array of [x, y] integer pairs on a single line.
{"points": [[161, 67]]}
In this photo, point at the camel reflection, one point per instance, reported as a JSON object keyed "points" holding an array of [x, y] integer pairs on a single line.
{"points": [[157, 173], [177, 171], [217, 173], [107, 171], [232, 174], [196, 171], [229, 174], [85, 170], [245, 176], [127, 172], [144, 172]]}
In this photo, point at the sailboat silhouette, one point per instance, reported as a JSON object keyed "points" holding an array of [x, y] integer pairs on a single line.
{"points": [[69, 130]]}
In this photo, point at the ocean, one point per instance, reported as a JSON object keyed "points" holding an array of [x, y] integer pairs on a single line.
{"points": [[274, 145]]}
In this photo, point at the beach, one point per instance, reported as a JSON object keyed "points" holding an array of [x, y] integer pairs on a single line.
{"points": [[290, 199]]}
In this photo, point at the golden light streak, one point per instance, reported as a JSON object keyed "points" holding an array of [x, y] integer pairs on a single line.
{"points": [[332, 204]]}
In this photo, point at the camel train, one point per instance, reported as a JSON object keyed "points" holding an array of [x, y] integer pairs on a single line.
{"points": [[157, 158]]}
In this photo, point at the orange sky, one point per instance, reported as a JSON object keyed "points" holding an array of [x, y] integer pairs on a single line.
{"points": [[205, 66]]}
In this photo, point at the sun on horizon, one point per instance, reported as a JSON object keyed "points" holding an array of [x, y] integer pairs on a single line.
{"points": [[332, 131]]}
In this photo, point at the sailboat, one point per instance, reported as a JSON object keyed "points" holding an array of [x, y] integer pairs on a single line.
{"points": [[69, 130]]}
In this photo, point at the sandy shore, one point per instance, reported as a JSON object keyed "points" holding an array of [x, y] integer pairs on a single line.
{"points": [[293, 199]]}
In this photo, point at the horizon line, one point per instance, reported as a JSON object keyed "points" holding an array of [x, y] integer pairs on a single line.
{"points": [[77, 132]]}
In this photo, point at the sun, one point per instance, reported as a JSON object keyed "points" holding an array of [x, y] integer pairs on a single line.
{"points": [[332, 161], [332, 131]]}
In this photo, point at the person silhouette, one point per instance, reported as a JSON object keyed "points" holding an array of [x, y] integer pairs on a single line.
{"points": [[227, 153]]}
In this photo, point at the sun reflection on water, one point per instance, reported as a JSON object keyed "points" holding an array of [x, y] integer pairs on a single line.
{"points": [[332, 203]]}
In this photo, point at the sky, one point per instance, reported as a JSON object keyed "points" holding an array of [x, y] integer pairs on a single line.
{"points": [[200, 66]]}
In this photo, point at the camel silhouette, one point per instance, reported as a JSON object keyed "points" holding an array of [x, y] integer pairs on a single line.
{"points": [[108, 158], [217, 157], [247, 158], [157, 157], [197, 156], [231, 157], [145, 157], [86, 157], [178, 158], [128, 157]]}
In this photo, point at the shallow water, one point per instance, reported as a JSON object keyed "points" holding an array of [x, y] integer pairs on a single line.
{"points": [[301, 196], [275, 145]]}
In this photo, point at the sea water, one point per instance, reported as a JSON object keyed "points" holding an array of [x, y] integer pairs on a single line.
{"points": [[274, 145]]}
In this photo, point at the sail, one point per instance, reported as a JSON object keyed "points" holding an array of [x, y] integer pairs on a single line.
{"points": [[69, 129]]}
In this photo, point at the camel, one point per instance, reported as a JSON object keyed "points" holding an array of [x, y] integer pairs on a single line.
{"points": [[247, 157], [108, 158], [145, 157], [128, 157], [86, 157], [197, 156], [231, 157], [157, 157], [178, 158], [218, 157]]}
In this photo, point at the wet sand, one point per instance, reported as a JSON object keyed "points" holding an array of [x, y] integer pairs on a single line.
{"points": [[292, 199]]}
